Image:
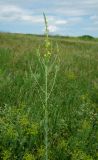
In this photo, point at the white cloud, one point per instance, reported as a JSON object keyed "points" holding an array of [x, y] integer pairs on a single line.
{"points": [[71, 11], [76, 7], [32, 19], [52, 28], [93, 29], [15, 13], [61, 22], [75, 20], [18, 2], [67, 8], [94, 19], [90, 2]]}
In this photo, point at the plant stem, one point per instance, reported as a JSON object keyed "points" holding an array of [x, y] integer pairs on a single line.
{"points": [[46, 116]]}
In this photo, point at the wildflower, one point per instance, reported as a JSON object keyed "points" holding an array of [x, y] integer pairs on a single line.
{"points": [[11, 132], [28, 156], [49, 53], [62, 144], [47, 42], [6, 154], [24, 121], [86, 125], [79, 154], [33, 129], [41, 151], [84, 97], [71, 75]]}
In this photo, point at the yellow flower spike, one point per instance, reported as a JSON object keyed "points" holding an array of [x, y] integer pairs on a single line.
{"points": [[47, 42], [49, 53]]}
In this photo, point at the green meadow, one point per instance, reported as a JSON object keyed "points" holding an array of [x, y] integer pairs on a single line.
{"points": [[72, 104]]}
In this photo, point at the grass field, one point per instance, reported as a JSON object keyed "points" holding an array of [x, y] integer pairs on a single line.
{"points": [[72, 105]]}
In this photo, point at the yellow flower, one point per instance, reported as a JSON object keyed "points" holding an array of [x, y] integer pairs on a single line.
{"points": [[80, 155], [28, 156], [24, 121], [84, 97], [11, 132], [41, 151], [33, 129], [71, 75], [47, 44], [97, 154], [86, 125], [6, 155], [49, 53], [62, 144], [45, 55]]}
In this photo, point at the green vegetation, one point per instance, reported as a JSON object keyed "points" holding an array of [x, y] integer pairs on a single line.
{"points": [[72, 106], [87, 37]]}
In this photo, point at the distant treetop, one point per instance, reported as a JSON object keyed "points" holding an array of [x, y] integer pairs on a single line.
{"points": [[88, 37]]}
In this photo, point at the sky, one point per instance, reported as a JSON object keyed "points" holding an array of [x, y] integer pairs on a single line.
{"points": [[65, 17]]}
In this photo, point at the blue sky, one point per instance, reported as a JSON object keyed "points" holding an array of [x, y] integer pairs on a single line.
{"points": [[65, 17]]}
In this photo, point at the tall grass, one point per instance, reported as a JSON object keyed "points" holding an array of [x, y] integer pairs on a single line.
{"points": [[48, 98]]}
